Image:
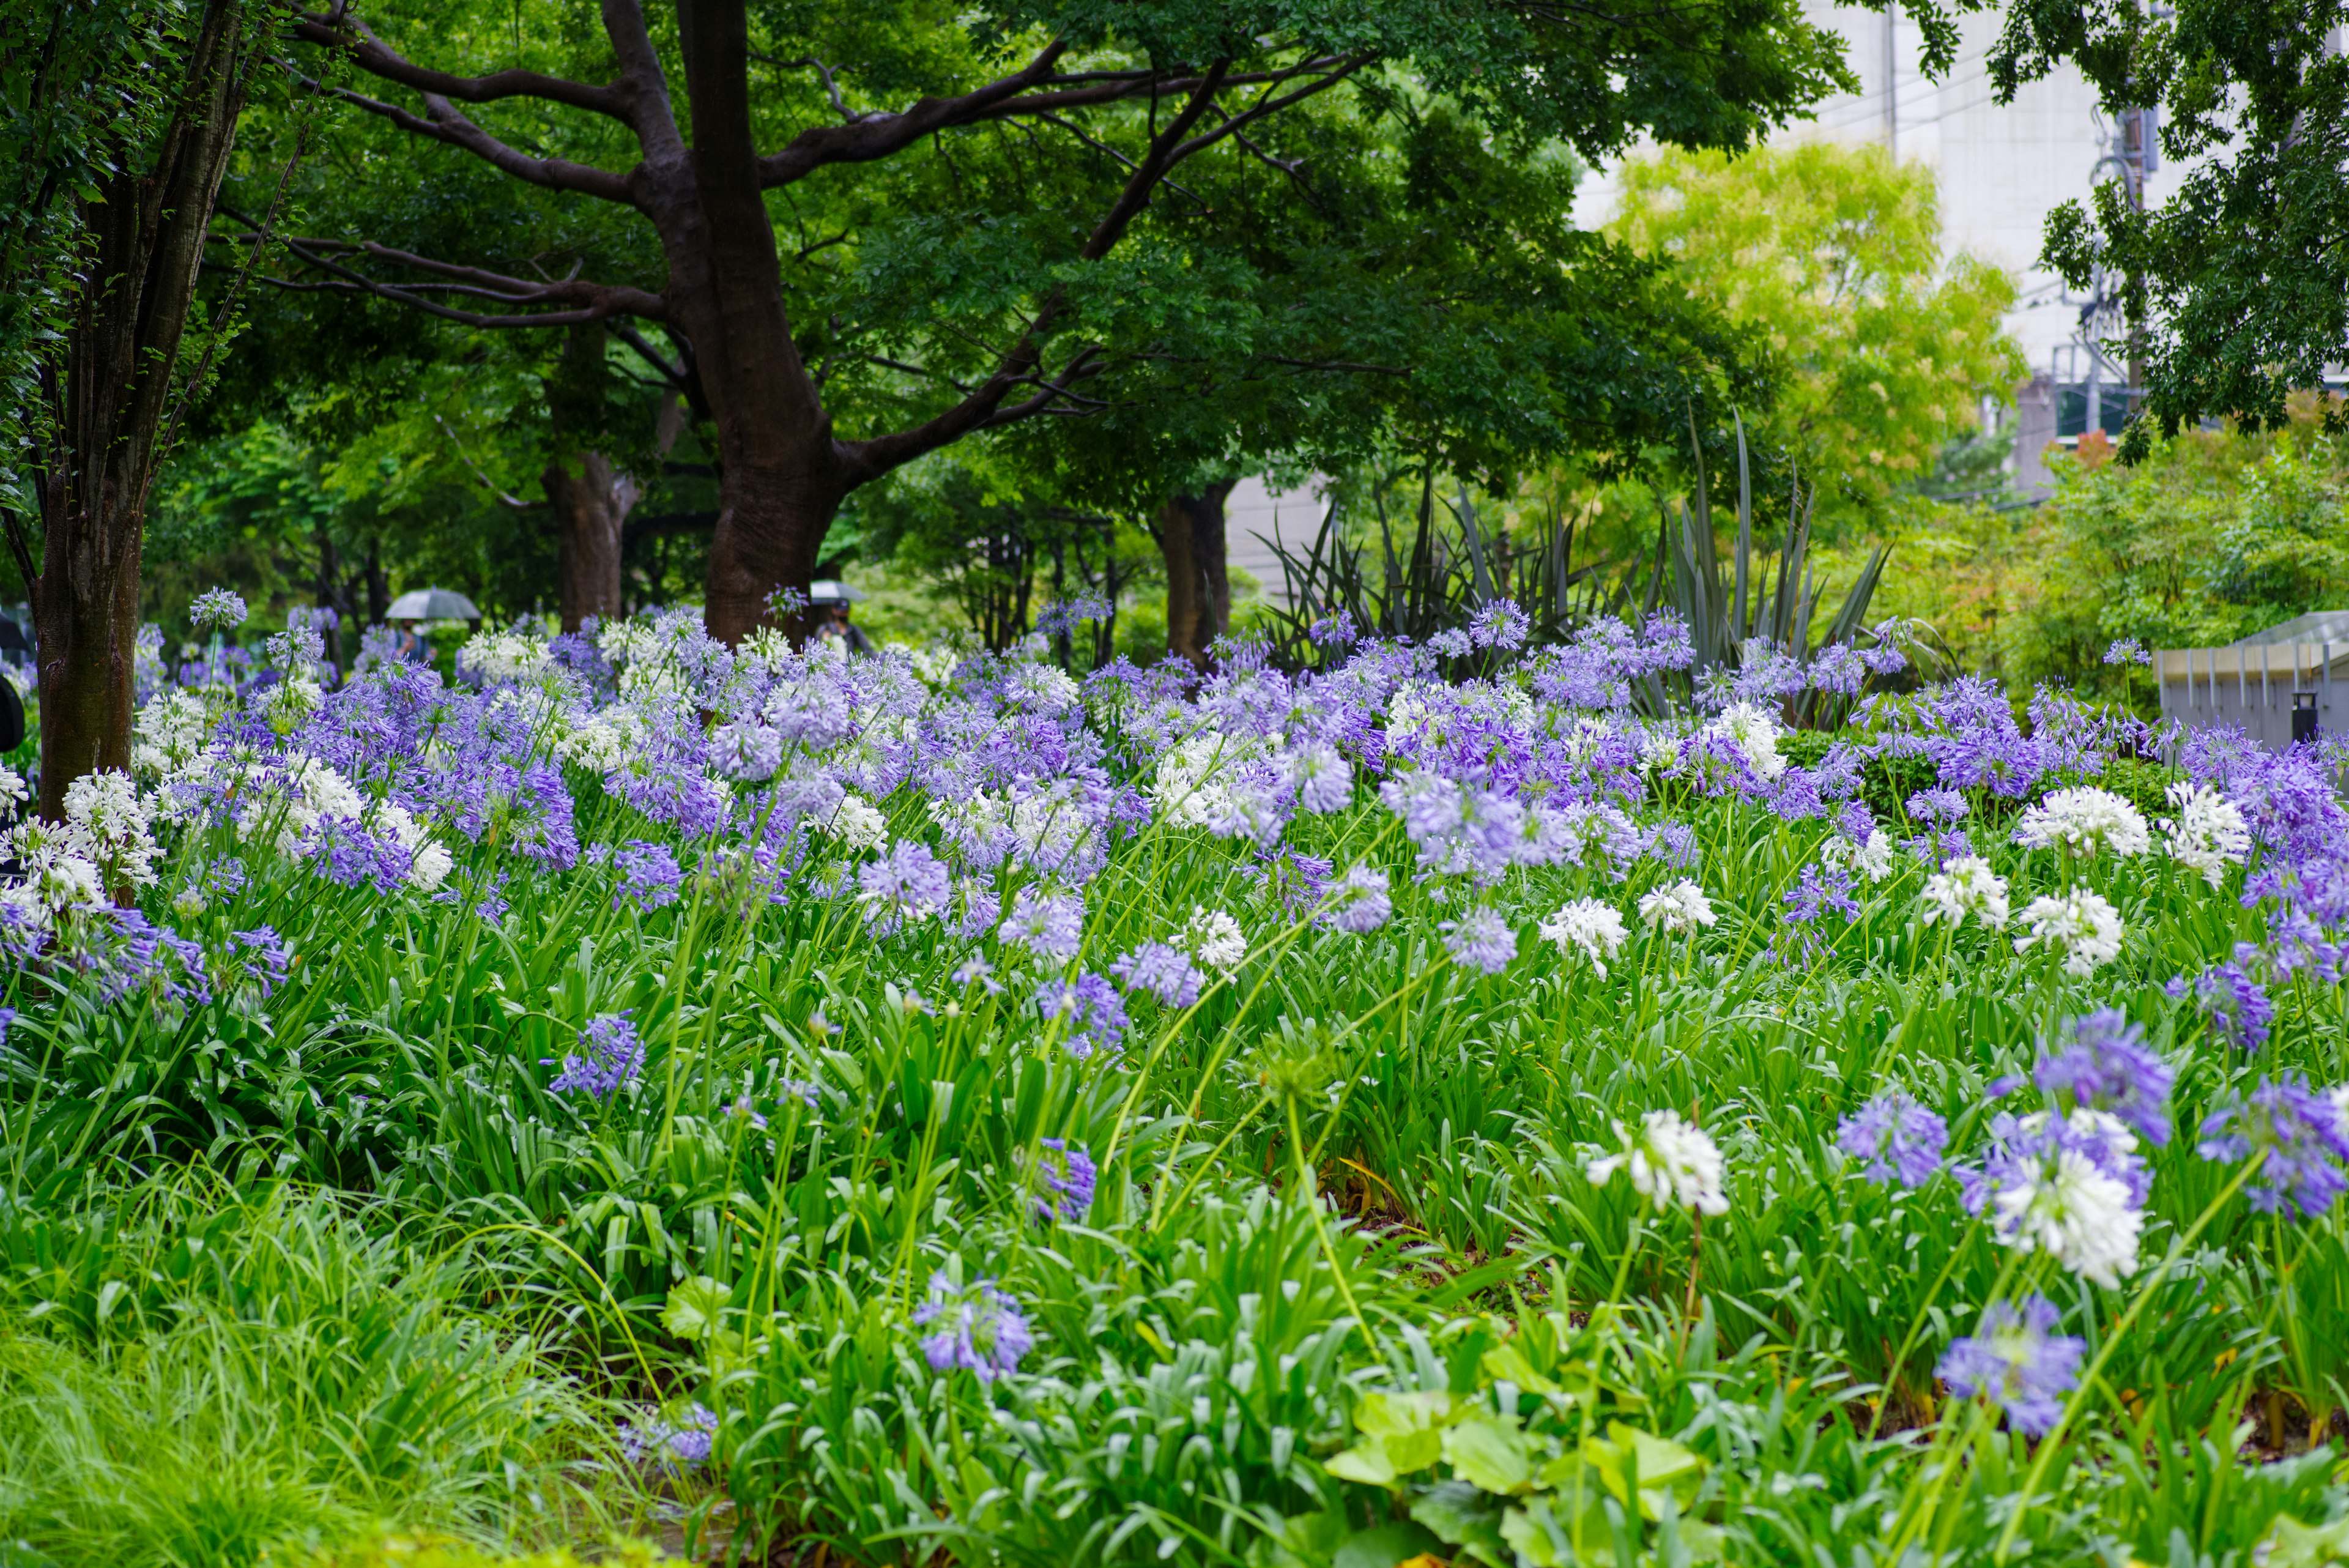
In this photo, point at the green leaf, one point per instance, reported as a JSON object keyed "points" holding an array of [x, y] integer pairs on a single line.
{"points": [[1492, 1456], [695, 1308], [1386, 1545]]}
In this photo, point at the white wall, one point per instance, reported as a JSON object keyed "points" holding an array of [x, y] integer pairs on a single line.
{"points": [[1254, 517]]}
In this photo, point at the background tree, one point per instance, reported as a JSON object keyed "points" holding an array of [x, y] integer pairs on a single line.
{"points": [[2234, 293], [122, 119], [1834, 254], [940, 287]]}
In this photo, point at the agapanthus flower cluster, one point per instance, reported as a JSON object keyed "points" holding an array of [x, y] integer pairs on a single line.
{"points": [[1068, 1175], [1094, 1012], [1965, 888], [1670, 1163], [1901, 1140], [2017, 1362], [2208, 832], [1677, 906], [978, 1329], [609, 1056], [2081, 925], [2302, 1135], [653, 1439], [1588, 929], [2084, 821], [2105, 1066], [2068, 1185]]}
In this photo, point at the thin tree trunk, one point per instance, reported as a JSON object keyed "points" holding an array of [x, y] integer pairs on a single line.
{"points": [[1198, 584], [590, 508], [110, 395]]}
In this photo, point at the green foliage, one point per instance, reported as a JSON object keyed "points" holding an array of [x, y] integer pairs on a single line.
{"points": [[2205, 541], [1834, 257], [214, 1378]]}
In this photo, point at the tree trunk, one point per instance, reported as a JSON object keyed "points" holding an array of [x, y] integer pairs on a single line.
{"points": [[780, 475], [1198, 585], [110, 393], [591, 507]]}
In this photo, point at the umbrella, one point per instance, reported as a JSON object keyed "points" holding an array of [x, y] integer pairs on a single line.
{"points": [[432, 604], [828, 592]]}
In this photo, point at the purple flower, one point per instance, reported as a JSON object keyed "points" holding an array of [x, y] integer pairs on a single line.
{"points": [[1070, 1174], [1481, 939], [684, 1445], [611, 1055], [1901, 1140], [2306, 1135], [2016, 1362], [1050, 925], [980, 1330], [1501, 625], [1095, 1011], [1813, 894], [1334, 630], [2238, 1006], [1358, 901], [1166, 973], [2128, 650], [268, 956], [127, 952], [908, 884], [2107, 1067], [649, 875], [1937, 804]]}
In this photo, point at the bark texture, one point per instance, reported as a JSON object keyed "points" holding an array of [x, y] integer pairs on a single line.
{"points": [[111, 392], [1198, 585]]}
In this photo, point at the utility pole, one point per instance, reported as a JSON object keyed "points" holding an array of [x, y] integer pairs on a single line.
{"points": [[2140, 155], [1892, 81]]}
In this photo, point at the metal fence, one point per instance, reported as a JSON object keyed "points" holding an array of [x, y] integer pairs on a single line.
{"points": [[2276, 692]]}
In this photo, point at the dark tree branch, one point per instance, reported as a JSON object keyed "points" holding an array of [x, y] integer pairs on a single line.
{"points": [[340, 30], [449, 124], [587, 301], [876, 137]]}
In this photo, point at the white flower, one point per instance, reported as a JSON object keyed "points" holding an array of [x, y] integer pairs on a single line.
{"points": [[171, 732], [14, 790], [1679, 906], [428, 864], [1670, 1162], [107, 824], [2084, 821], [2209, 833], [1589, 925], [57, 876], [1966, 885], [510, 655], [288, 705], [1197, 779], [2081, 923], [1042, 689], [2072, 1208], [605, 743], [1754, 731], [1215, 939], [1872, 860], [856, 824]]}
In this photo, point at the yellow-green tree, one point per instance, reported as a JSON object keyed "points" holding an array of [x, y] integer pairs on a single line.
{"points": [[1835, 254]]}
